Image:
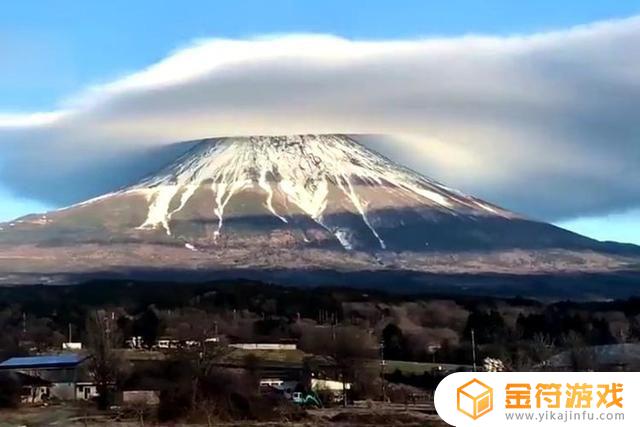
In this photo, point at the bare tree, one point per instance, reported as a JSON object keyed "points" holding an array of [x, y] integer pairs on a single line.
{"points": [[542, 347], [203, 364], [351, 347], [581, 357], [105, 365], [140, 408], [210, 409]]}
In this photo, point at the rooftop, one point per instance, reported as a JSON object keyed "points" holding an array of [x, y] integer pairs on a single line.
{"points": [[49, 361]]}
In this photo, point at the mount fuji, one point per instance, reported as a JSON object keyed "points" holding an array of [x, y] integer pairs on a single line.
{"points": [[300, 202]]}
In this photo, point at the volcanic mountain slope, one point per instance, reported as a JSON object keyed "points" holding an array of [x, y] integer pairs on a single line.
{"points": [[261, 199]]}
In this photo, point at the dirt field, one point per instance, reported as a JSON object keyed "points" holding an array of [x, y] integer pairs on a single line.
{"points": [[79, 415]]}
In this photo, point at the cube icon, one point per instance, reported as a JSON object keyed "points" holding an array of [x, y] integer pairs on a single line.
{"points": [[475, 399]]}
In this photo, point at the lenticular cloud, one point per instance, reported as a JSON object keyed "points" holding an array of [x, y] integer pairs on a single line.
{"points": [[543, 124]]}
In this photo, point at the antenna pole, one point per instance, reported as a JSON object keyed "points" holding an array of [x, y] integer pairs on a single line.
{"points": [[473, 349]]}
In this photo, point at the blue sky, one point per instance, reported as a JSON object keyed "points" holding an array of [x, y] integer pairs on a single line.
{"points": [[51, 50]]}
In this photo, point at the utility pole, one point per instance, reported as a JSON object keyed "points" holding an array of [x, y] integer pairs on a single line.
{"points": [[382, 363], [334, 347], [473, 348]]}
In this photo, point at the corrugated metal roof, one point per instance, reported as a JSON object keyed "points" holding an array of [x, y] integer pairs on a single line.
{"points": [[58, 360]]}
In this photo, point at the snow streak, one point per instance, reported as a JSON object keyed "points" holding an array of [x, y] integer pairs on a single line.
{"points": [[300, 170]]}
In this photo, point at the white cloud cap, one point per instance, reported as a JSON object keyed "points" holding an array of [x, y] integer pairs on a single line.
{"points": [[544, 124]]}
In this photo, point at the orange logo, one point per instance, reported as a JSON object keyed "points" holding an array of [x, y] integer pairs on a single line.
{"points": [[475, 399], [550, 396]]}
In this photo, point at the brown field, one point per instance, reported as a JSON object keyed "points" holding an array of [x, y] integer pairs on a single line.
{"points": [[359, 415]]}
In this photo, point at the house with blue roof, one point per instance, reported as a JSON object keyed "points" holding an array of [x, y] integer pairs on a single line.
{"points": [[68, 374]]}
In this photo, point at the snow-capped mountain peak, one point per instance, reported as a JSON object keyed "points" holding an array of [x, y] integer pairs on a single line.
{"points": [[291, 205], [309, 172]]}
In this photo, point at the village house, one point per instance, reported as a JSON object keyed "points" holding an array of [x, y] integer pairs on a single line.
{"points": [[64, 376]]}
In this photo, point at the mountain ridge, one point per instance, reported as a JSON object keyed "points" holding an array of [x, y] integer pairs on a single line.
{"points": [[297, 201]]}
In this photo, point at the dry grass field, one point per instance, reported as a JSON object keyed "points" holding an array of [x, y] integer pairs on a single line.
{"points": [[356, 416]]}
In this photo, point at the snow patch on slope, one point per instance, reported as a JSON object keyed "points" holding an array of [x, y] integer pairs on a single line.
{"points": [[266, 186], [300, 168]]}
